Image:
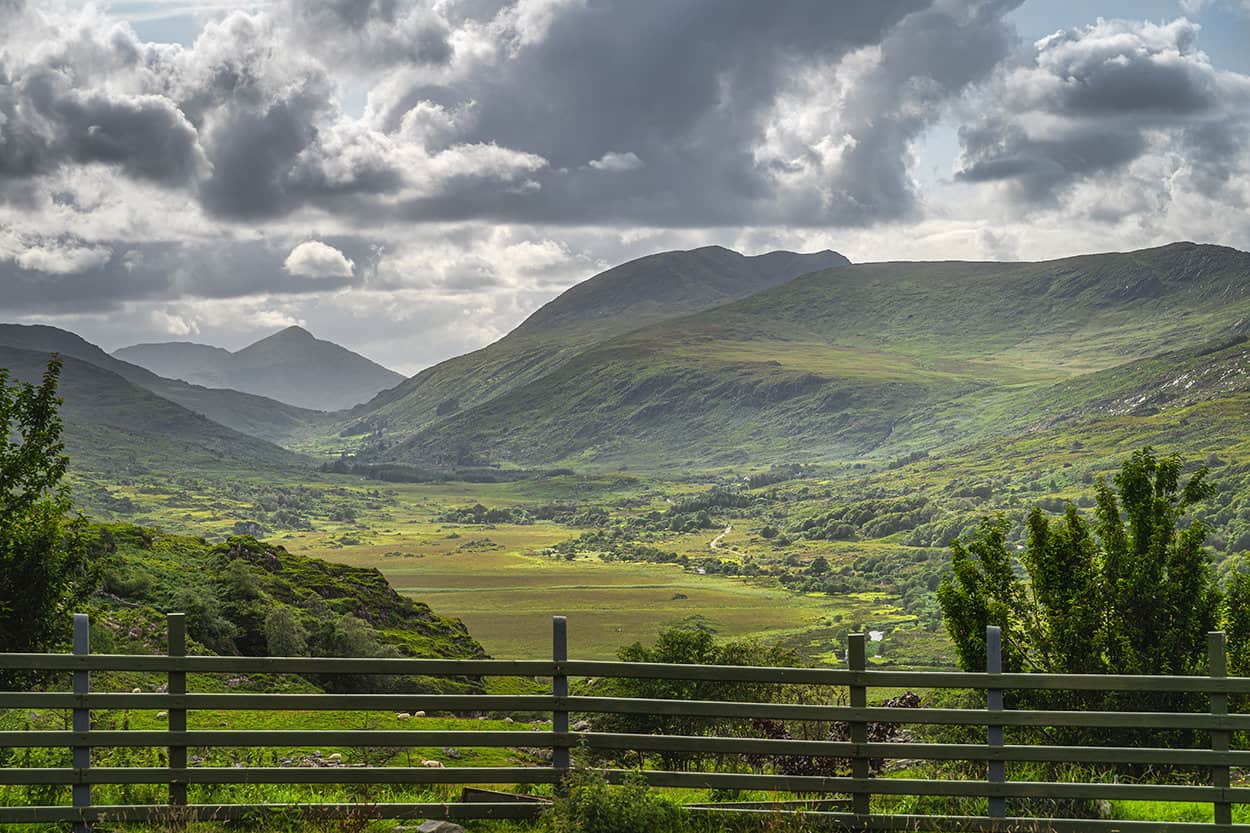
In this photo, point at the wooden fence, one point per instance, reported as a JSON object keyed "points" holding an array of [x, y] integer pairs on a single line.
{"points": [[854, 810]]}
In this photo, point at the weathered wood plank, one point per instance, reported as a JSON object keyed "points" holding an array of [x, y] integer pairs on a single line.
{"points": [[236, 812], [908, 679], [281, 702], [958, 717], [281, 775], [280, 665], [282, 738]]}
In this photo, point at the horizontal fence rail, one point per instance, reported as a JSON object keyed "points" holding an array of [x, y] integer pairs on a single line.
{"points": [[858, 797]]}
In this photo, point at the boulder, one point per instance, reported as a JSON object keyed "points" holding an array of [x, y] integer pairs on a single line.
{"points": [[436, 826]]}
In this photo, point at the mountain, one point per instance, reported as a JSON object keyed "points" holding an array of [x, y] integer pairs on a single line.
{"points": [[249, 414], [878, 360], [666, 285], [199, 364], [291, 366], [641, 292], [118, 428]]}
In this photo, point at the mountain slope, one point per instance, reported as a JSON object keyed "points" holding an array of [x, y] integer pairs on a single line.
{"points": [[641, 292], [199, 364], [118, 428], [243, 412], [881, 359], [291, 366], [667, 285]]}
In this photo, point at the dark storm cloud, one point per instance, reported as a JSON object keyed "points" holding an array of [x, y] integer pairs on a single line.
{"points": [[1093, 100], [45, 124], [559, 111], [65, 275], [688, 90], [374, 32]]}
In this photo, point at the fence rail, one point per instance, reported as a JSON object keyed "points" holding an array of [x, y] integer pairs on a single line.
{"points": [[847, 799]]}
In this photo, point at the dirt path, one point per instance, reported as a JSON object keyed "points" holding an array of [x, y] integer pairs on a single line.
{"points": [[715, 542]]}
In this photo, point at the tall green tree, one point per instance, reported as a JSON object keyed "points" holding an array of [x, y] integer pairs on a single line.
{"points": [[43, 564], [1130, 591]]}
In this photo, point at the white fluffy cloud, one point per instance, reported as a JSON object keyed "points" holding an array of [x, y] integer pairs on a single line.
{"points": [[1096, 100], [314, 259], [614, 162], [63, 259]]}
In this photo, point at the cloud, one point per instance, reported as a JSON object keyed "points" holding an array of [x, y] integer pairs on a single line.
{"points": [[65, 259], [373, 33], [614, 162], [506, 110], [314, 259], [1094, 100], [693, 88], [173, 323], [52, 117], [465, 160]]}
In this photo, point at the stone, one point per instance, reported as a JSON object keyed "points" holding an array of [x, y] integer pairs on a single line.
{"points": [[436, 826]]}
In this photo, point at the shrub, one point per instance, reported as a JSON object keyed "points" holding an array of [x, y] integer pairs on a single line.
{"points": [[593, 806]]}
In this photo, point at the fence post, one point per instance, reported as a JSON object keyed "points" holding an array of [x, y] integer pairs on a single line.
{"points": [[994, 702], [81, 755], [560, 690], [857, 660], [1217, 667], [176, 625]]}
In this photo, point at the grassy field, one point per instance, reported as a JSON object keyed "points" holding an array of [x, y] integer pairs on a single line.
{"points": [[507, 580], [506, 588]]}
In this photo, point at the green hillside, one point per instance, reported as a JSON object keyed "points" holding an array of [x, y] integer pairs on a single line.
{"points": [[232, 590], [291, 366], [247, 413], [119, 429], [643, 291], [876, 359]]}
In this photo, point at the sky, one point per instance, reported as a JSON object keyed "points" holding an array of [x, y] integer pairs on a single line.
{"points": [[411, 178]]}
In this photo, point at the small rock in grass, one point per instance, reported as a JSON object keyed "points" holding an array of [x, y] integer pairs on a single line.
{"points": [[451, 752], [136, 691], [436, 826]]}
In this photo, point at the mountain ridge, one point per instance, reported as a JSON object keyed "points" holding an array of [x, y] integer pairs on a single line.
{"points": [[868, 359], [250, 414], [575, 320], [291, 366], [113, 425]]}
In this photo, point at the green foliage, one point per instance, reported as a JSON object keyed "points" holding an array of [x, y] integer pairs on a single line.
{"points": [[43, 552], [1130, 592], [285, 635], [690, 646], [593, 806], [255, 599]]}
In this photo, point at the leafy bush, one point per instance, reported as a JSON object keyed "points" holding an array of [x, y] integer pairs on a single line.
{"points": [[593, 806], [690, 646]]}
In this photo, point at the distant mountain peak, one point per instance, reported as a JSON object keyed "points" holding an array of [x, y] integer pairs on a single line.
{"points": [[670, 283], [292, 333], [291, 365]]}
